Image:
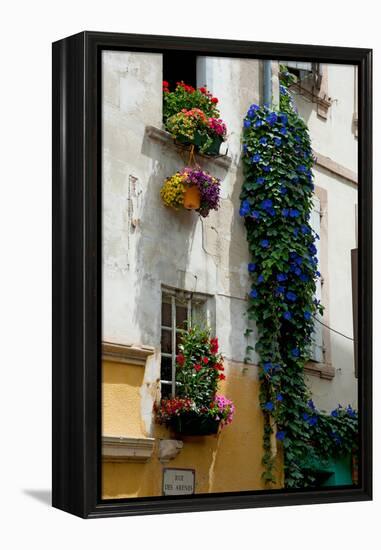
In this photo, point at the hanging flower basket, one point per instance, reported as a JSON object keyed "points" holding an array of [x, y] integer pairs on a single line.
{"points": [[192, 189], [191, 117]]}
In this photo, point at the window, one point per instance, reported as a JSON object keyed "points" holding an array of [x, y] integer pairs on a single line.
{"points": [[317, 350], [178, 310], [178, 66]]}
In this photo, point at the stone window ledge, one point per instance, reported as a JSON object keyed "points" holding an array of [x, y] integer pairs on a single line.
{"points": [[117, 448], [321, 370], [121, 353], [164, 137]]}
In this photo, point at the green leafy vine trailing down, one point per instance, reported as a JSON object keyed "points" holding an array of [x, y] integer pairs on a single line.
{"points": [[276, 201]]}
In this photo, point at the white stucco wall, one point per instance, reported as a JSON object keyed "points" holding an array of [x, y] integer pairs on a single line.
{"points": [[335, 138]]}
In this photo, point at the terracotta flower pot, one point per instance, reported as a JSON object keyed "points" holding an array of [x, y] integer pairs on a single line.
{"points": [[192, 198]]}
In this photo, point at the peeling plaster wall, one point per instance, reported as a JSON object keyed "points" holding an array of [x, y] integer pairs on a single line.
{"points": [[146, 244]]}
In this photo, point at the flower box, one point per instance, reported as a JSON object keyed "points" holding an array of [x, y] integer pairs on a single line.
{"points": [[191, 423]]}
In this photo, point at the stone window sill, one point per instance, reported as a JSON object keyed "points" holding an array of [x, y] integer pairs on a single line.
{"points": [[321, 370], [164, 137], [121, 353], [127, 449]]}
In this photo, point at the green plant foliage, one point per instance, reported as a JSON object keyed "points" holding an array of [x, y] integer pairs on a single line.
{"points": [[276, 201]]}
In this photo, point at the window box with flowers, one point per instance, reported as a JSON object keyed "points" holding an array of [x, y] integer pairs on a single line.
{"points": [[197, 409]]}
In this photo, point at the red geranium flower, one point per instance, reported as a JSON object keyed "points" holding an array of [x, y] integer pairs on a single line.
{"points": [[165, 84], [197, 367], [219, 366], [203, 90], [180, 359], [205, 360], [214, 345], [214, 100], [221, 377]]}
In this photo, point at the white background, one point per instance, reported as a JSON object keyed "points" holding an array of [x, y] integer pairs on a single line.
{"points": [[27, 30]]}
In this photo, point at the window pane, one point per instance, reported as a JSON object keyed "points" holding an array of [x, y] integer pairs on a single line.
{"points": [[181, 316], [166, 315], [166, 390], [166, 368], [166, 341]]}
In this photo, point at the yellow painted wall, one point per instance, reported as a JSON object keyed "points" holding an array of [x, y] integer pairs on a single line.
{"points": [[228, 461]]}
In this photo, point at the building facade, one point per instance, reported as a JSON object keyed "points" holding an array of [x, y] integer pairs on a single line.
{"points": [[161, 267]]}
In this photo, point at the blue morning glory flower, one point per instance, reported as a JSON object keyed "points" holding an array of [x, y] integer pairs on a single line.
{"points": [[295, 352], [268, 406], [283, 190], [298, 260], [283, 130], [280, 435], [280, 289], [271, 118], [312, 248], [285, 212], [303, 277], [267, 367], [312, 421], [291, 296], [260, 180], [298, 139], [283, 118], [287, 315], [258, 123], [245, 208], [253, 294], [260, 278], [283, 90], [246, 123], [307, 315], [281, 277], [301, 168], [335, 413], [351, 413], [255, 158], [266, 203], [251, 267], [279, 397], [305, 230], [266, 168], [263, 141], [294, 213], [311, 404], [305, 416], [265, 243], [255, 214], [297, 271], [277, 141]]}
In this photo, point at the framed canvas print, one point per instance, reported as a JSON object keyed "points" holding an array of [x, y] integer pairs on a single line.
{"points": [[212, 274]]}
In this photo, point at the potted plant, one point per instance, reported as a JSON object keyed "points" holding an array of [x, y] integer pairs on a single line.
{"points": [[197, 409], [192, 117], [193, 189]]}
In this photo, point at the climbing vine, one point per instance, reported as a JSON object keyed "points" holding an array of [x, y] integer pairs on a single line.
{"points": [[276, 201]]}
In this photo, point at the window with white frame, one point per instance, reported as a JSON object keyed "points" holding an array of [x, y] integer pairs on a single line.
{"points": [[179, 309], [317, 349]]}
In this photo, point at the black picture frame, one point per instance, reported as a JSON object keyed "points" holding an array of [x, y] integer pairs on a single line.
{"points": [[76, 273]]}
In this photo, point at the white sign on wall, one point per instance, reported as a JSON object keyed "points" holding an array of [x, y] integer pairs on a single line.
{"points": [[178, 481]]}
